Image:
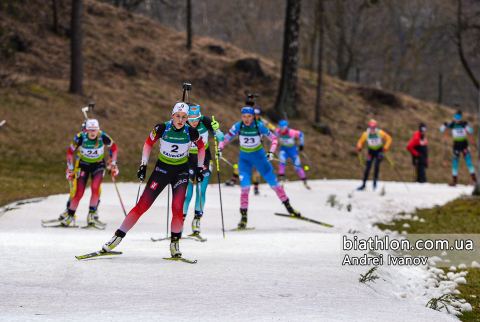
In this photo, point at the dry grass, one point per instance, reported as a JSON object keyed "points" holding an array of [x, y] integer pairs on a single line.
{"points": [[43, 118]]}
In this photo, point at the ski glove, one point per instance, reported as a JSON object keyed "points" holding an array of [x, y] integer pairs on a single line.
{"points": [[219, 153], [142, 171], [384, 150], [199, 174], [270, 156], [70, 174], [215, 125], [114, 170], [300, 147], [358, 150]]}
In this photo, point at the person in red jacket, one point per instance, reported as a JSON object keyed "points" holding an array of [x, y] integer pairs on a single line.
{"points": [[418, 147]]}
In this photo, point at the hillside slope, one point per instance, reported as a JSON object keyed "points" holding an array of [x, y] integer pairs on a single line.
{"points": [[42, 117]]}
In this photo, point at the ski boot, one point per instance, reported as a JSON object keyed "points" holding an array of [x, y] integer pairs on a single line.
{"points": [[243, 220], [362, 187], [196, 224], [374, 185], [453, 183], [306, 184], [112, 243], [291, 211], [92, 218], [175, 248], [230, 182], [255, 190], [67, 220]]}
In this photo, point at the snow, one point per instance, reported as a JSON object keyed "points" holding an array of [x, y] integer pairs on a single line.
{"points": [[284, 270], [460, 280]]}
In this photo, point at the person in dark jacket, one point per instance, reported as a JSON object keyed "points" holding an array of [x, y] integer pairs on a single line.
{"points": [[418, 147]]}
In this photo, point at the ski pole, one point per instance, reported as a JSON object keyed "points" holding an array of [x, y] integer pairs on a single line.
{"points": [[361, 159], [306, 168], [472, 140], [118, 192], [168, 207], [71, 185], [199, 189], [311, 164], [445, 153], [228, 162], [218, 173], [396, 170], [138, 193]]}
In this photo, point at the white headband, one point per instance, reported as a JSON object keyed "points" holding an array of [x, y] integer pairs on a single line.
{"points": [[180, 107]]}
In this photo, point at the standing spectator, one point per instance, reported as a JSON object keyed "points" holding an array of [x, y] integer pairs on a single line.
{"points": [[418, 147]]}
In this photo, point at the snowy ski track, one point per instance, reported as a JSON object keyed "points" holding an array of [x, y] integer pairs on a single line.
{"points": [[284, 270]]}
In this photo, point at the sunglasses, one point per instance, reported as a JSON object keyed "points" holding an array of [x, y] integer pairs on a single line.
{"points": [[194, 119]]}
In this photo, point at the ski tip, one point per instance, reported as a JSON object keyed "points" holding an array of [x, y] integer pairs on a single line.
{"points": [[180, 259]]}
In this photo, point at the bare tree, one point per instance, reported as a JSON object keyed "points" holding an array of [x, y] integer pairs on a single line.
{"points": [[76, 74], [55, 15], [460, 30], [288, 82], [189, 24], [318, 103]]}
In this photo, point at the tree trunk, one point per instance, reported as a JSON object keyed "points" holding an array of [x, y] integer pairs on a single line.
{"points": [[463, 59], [189, 24], [342, 69], [318, 103], [288, 83], [55, 16], [76, 75]]}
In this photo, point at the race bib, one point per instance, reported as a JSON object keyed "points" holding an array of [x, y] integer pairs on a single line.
{"points": [[204, 137], [91, 153], [459, 133], [174, 150], [250, 142], [374, 141], [287, 141]]}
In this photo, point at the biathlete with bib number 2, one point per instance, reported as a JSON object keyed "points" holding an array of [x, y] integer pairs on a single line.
{"points": [[204, 126], [250, 133], [171, 168]]}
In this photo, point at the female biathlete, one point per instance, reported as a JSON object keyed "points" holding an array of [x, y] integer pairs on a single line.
{"points": [[289, 150], [171, 168], [73, 189], [250, 133], [460, 130], [376, 149], [204, 125], [92, 145]]}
